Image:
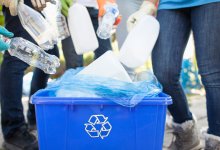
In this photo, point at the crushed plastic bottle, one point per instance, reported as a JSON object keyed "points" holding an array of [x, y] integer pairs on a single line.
{"points": [[61, 23], [107, 22], [35, 24], [56, 19], [32, 54]]}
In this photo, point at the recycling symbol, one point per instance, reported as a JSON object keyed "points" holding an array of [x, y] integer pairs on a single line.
{"points": [[98, 126]]}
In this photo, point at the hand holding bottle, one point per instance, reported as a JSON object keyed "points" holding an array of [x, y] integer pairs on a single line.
{"points": [[32, 54], [40, 4], [13, 5], [147, 8], [108, 20]]}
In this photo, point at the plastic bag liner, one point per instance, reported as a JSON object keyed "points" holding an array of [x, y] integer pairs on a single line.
{"points": [[124, 93]]}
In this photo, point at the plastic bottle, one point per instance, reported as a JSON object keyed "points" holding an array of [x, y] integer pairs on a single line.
{"points": [[56, 19], [61, 23], [106, 25], [81, 29], [32, 54], [36, 26], [140, 42]]}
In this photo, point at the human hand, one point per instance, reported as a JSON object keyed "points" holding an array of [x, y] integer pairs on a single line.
{"points": [[12, 5], [6, 33], [39, 4], [147, 8], [102, 9]]}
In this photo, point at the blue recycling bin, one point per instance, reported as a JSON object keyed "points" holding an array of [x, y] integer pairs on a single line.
{"points": [[99, 124]]}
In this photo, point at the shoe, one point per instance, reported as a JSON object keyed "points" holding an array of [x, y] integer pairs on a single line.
{"points": [[186, 136], [32, 128], [21, 140], [212, 142]]}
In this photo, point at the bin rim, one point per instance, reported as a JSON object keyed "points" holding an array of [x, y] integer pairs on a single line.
{"points": [[37, 98]]}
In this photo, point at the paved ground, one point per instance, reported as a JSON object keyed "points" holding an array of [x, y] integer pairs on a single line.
{"points": [[197, 105]]}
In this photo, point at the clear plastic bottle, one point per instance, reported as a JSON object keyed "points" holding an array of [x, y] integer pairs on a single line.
{"points": [[32, 54], [56, 19], [63, 30], [36, 26], [106, 25]]}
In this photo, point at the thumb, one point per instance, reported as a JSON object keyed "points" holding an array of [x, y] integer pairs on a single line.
{"points": [[3, 45], [131, 22], [13, 7], [118, 20]]}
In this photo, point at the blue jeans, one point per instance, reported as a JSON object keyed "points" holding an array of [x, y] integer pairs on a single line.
{"points": [[167, 57], [72, 59], [12, 71]]}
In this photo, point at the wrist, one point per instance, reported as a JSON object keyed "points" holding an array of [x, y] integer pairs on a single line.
{"points": [[148, 6]]}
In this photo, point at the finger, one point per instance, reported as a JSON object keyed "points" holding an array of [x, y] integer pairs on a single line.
{"points": [[101, 12], [6, 3], [37, 4], [69, 2], [65, 12], [5, 32], [118, 20], [1, 2], [3, 45], [43, 3], [34, 3], [64, 9], [130, 23], [13, 8]]}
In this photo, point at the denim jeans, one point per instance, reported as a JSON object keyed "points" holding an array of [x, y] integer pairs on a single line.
{"points": [[12, 71], [72, 59], [167, 57]]}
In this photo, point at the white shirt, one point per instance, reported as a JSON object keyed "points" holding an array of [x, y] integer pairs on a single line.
{"points": [[88, 3]]}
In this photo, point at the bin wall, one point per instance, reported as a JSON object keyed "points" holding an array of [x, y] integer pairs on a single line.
{"points": [[62, 127]]}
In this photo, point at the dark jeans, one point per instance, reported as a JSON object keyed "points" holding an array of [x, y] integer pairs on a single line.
{"points": [[167, 57], [12, 71], [72, 59]]}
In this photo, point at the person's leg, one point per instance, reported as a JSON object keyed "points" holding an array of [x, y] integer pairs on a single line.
{"points": [[126, 8], [72, 59], [104, 45], [167, 59], [12, 71], [206, 29], [15, 132], [39, 81]]}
